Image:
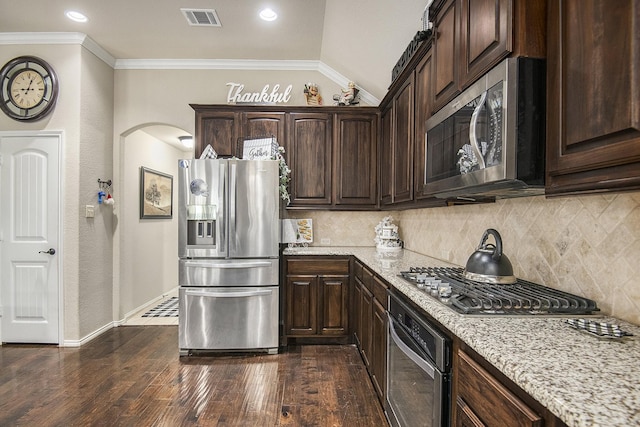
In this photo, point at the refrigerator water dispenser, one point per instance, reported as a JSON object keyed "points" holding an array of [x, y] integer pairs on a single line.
{"points": [[201, 225]]}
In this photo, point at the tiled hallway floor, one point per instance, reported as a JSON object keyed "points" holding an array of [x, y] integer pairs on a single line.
{"points": [[138, 320]]}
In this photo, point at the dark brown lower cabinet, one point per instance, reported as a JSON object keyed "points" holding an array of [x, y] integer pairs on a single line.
{"points": [[482, 400], [379, 348], [316, 297], [370, 303], [366, 313], [323, 302]]}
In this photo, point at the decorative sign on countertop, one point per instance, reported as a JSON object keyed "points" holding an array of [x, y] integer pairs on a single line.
{"points": [[297, 232], [268, 95]]}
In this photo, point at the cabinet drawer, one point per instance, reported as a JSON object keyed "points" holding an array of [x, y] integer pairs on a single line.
{"points": [[318, 266], [489, 400], [380, 291]]}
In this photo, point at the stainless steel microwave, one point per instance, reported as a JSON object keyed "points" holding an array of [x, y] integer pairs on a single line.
{"points": [[490, 140]]}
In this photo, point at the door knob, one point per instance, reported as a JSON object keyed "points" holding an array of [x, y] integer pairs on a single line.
{"points": [[51, 251]]}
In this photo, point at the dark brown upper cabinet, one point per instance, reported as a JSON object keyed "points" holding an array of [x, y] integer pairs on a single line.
{"points": [[593, 96], [309, 149], [221, 126], [332, 151], [471, 36], [423, 108], [261, 124], [445, 49], [355, 166], [218, 128]]}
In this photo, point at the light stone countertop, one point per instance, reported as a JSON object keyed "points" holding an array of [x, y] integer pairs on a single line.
{"points": [[582, 379]]}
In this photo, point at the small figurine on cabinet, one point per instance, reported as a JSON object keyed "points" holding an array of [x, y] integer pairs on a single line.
{"points": [[347, 96], [312, 94]]}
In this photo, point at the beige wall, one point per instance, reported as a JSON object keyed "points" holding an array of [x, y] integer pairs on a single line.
{"points": [[588, 245], [363, 39], [84, 113], [95, 235], [163, 96], [148, 254]]}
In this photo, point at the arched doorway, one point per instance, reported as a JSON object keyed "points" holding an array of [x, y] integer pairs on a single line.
{"points": [[145, 250]]}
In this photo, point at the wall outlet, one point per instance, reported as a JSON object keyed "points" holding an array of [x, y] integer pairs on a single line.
{"points": [[89, 211], [325, 242]]}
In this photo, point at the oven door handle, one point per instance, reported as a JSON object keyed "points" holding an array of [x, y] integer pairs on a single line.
{"points": [[234, 294], [423, 364]]}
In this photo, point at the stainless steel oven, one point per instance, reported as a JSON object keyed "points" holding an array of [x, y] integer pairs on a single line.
{"points": [[418, 369]]}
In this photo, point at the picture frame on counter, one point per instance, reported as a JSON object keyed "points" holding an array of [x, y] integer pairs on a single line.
{"points": [[156, 194]]}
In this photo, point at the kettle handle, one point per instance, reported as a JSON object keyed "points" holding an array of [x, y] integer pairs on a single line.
{"points": [[497, 253]]}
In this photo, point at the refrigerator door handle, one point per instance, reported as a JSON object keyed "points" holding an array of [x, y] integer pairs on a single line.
{"points": [[227, 265], [233, 185], [223, 211], [236, 294]]}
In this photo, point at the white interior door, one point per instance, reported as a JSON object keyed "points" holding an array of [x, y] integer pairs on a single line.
{"points": [[29, 238]]}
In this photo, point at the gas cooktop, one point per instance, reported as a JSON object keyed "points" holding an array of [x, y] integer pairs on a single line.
{"points": [[451, 287]]}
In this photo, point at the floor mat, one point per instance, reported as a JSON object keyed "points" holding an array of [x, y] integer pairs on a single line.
{"points": [[168, 308]]}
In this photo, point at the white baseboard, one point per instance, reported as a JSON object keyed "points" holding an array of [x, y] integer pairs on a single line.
{"points": [[116, 323], [89, 337]]}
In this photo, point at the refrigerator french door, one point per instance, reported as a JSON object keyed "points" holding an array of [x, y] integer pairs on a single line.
{"points": [[228, 248]]}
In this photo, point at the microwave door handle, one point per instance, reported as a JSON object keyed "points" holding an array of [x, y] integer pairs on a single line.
{"points": [[473, 139]]}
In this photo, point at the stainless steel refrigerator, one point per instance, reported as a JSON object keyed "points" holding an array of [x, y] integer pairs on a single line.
{"points": [[228, 239]]}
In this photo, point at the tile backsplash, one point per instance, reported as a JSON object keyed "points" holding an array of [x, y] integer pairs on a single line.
{"points": [[587, 245]]}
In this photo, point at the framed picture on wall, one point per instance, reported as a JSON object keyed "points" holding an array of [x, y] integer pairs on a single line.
{"points": [[156, 194]]}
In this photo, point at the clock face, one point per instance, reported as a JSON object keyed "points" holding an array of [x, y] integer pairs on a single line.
{"points": [[29, 88]]}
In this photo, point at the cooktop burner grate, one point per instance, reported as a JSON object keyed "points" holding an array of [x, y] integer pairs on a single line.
{"points": [[450, 286]]}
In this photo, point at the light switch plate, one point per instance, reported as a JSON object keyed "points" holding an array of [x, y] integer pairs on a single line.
{"points": [[89, 211]]}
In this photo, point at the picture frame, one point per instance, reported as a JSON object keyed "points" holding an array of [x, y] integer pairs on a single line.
{"points": [[156, 194]]}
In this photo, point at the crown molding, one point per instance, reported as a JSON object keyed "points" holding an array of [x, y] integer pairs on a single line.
{"points": [[343, 81], [182, 64], [215, 64], [59, 38], [243, 64]]}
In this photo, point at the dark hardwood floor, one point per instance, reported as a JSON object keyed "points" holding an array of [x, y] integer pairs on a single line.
{"points": [[132, 376]]}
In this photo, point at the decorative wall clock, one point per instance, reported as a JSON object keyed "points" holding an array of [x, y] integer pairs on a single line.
{"points": [[29, 88]]}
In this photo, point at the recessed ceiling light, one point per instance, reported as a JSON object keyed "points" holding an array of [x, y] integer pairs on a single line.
{"points": [[186, 141], [76, 16], [268, 15]]}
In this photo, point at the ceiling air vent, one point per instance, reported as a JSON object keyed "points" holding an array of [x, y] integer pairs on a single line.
{"points": [[202, 17]]}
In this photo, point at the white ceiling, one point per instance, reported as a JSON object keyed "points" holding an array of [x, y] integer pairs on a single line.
{"points": [[368, 46], [157, 29]]}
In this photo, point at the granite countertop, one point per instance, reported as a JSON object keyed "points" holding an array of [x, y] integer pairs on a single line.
{"points": [[583, 379]]}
